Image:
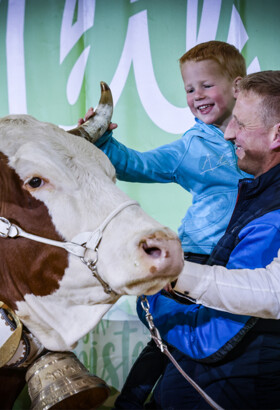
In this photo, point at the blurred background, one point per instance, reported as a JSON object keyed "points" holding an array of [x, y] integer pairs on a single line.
{"points": [[53, 55]]}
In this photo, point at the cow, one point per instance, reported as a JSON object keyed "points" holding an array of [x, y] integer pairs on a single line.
{"points": [[71, 242]]}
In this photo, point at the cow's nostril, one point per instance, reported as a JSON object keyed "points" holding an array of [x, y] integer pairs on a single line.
{"points": [[152, 251]]}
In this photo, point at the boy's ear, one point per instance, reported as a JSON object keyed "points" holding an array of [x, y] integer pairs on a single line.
{"points": [[235, 85], [275, 143]]}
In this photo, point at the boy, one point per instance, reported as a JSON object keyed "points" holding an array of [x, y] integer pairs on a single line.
{"points": [[202, 162]]}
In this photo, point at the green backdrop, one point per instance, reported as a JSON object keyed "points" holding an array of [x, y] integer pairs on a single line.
{"points": [[53, 55]]}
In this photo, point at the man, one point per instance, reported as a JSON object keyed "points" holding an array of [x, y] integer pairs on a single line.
{"points": [[254, 292], [235, 359]]}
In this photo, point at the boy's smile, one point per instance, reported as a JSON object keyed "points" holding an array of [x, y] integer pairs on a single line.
{"points": [[210, 94], [205, 108]]}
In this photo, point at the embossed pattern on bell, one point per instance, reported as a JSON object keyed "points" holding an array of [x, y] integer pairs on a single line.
{"points": [[60, 381]]}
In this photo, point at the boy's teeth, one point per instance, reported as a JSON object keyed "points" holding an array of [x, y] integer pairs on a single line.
{"points": [[202, 107]]}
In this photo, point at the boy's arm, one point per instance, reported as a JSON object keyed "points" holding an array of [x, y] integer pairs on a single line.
{"points": [[156, 165]]}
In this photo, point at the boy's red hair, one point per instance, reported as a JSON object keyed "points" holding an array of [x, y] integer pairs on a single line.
{"points": [[230, 60]]}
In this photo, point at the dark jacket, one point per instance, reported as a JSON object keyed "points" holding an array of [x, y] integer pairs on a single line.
{"points": [[252, 240]]}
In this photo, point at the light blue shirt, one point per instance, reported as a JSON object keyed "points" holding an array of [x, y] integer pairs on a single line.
{"points": [[203, 163]]}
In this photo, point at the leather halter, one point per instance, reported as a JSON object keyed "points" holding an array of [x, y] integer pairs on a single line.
{"points": [[84, 245]]}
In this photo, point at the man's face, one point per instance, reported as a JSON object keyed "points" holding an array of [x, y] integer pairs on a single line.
{"points": [[250, 136], [210, 94]]}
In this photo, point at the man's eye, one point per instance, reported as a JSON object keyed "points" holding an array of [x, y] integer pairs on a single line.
{"points": [[239, 125], [190, 90], [35, 182]]}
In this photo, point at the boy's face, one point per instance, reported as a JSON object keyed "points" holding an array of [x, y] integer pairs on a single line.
{"points": [[210, 94]]}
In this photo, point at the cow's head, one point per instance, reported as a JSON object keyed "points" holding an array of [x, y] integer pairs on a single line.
{"points": [[58, 186]]}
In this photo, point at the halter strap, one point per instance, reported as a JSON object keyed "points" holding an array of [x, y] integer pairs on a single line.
{"points": [[78, 246]]}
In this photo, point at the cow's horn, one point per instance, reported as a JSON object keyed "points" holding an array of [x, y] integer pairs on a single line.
{"points": [[95, 127]]}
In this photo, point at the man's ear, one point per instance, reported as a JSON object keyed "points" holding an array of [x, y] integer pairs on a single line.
{"points": [[275, 143], [235, 86]]}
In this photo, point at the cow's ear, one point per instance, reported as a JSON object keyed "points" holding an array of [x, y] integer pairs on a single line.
{"points": [[98, 123], [105, 164]]}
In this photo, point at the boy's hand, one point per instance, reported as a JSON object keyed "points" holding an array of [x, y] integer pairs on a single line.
{"points": [[90, 113]]}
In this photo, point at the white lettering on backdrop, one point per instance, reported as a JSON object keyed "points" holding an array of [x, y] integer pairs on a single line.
{"points": [[136, 52], [15, 57], [69, 36]]}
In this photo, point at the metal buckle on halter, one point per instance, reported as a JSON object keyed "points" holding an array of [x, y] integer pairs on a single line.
{"points": [[92, 265], [7, 227]]}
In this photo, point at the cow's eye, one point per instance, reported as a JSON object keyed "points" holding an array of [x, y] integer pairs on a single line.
{"points": [[35, 182]]}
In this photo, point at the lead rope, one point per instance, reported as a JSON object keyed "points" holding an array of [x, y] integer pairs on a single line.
{"points": [[164, 349]]}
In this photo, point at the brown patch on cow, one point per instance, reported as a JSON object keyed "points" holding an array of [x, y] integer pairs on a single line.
{"points": [[153, 269], [162, 235], [26, 266]]}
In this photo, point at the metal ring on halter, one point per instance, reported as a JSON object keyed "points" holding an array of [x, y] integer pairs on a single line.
{"points": [[91, 264], [8, 223]]}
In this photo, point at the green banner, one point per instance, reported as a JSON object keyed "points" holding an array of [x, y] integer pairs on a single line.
{"points": [[53, 55]]}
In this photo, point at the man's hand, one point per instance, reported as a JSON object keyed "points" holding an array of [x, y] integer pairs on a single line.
{"points": [[168, 288]]}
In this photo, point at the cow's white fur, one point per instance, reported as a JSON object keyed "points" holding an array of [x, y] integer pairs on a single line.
{"points": [[74, 171]]}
